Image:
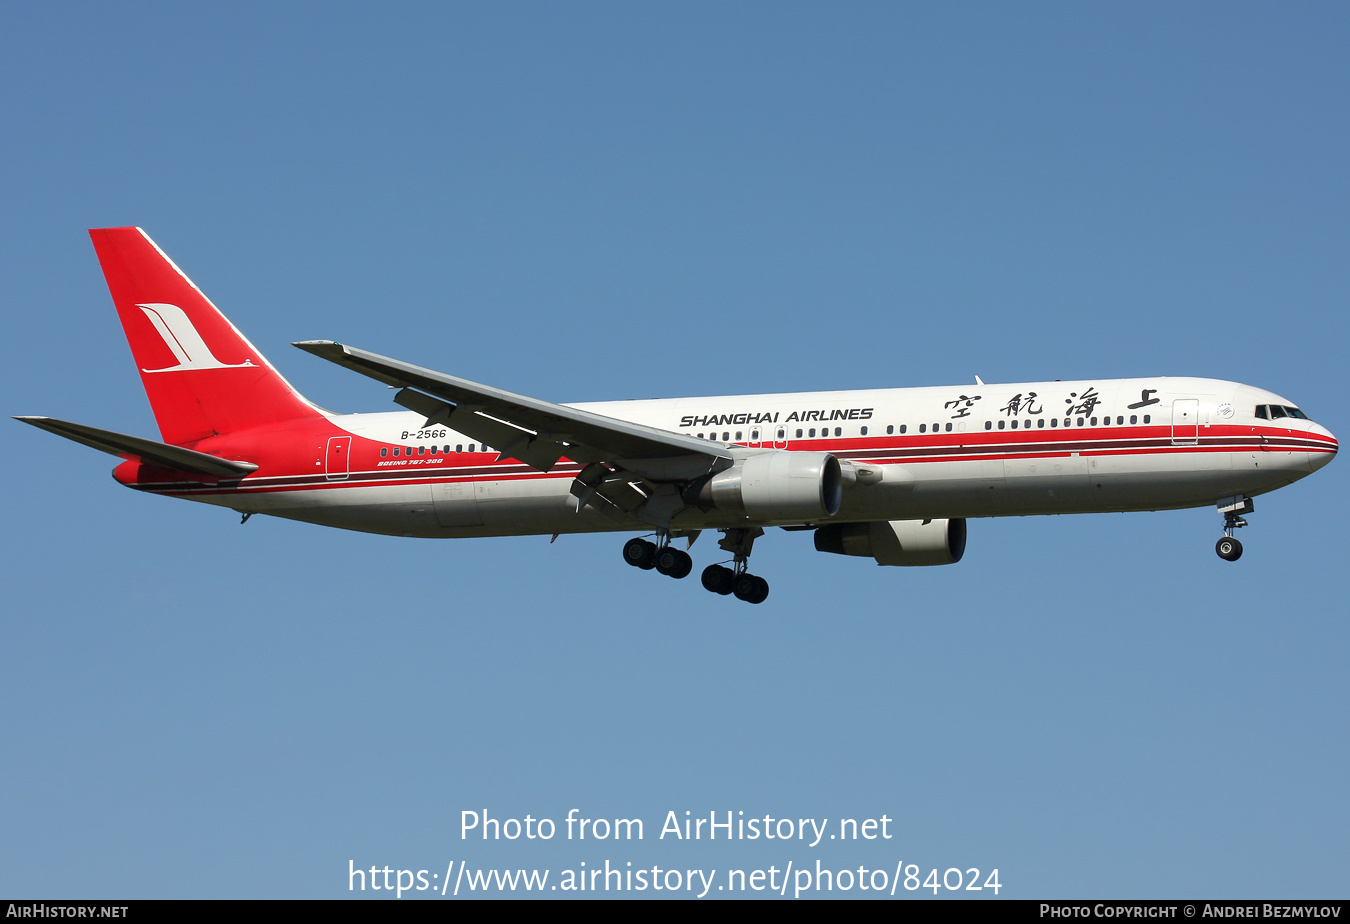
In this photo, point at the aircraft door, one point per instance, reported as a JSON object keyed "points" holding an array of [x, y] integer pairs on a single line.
{"points": [[335, 459], [1185, 421], [780, 436]]}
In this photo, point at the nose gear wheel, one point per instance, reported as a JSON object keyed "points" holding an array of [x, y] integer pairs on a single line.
{"points": [[1232, 508]]}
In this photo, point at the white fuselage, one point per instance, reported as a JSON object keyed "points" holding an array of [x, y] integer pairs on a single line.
{"points": [[954, 451]]}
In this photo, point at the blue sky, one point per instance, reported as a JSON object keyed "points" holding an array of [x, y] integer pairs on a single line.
{"points": [[598, 201]]}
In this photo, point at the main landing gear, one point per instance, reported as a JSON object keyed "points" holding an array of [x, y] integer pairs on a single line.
{"points": [[660, 556], [1232, 508], [648, 555], [737, 580]]}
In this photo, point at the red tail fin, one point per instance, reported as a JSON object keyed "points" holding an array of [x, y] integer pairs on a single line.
{"points": [[202, 376]]}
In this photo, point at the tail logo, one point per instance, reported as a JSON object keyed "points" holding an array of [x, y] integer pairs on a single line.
{"points": [[182, 338]]}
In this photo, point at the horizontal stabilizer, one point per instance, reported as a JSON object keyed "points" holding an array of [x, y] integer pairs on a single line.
{"points": [[119, 444]]}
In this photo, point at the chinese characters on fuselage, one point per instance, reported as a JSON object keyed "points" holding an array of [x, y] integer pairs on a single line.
{"points": [[1017, 404], [963, 404], [1028, 404]]}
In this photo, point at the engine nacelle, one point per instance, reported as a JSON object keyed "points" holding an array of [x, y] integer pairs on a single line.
{"points": [[776, 485], [898, 542]]}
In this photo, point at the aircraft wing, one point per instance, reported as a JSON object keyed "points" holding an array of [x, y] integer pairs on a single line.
{"points": [[536, 432], [134, 447]]}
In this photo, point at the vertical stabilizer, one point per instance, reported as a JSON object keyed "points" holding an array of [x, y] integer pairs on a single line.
{"points": [[201, 375]]}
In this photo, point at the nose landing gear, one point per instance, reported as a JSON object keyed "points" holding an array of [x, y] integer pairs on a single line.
{"points": [[1232, 508]]}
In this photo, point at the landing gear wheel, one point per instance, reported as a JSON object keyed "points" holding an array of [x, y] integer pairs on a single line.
{"points": [[761, 590], [673, 562], [640, 553], [718, 579], [751, 588], [1229, 549]]}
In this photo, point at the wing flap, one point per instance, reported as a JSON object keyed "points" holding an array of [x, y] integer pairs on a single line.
{"points": [[134, 447], [534, 449]]}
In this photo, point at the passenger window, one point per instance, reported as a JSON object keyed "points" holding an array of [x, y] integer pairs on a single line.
{"points": [[1120, 420], [434, 449], [1094, 421], [1148, 418], [989, 425], [1002, 424], [1080, 421], [726, 436], [471, 447], [459, 448], [1040, 422], [700, 436], [923, 428], [813, 431], [421, 450], [1054, 422], [396, 450], [384, 451], [799, 433], [890, 429], [1014, 423], [904, 427], [949, 428], [838, 431], [1134, 419], [738, 436], [864, 431]]}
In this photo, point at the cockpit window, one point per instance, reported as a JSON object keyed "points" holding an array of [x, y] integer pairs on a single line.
{"points": [[1276, 411]]}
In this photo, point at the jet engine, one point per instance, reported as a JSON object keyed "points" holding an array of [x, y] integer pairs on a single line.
{"points": [[775, 485], [898, 542]]}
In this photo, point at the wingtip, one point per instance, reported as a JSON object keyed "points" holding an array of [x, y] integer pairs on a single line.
{"points": [[319, 347]]}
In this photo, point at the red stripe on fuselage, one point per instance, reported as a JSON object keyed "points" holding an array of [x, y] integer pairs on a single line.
{"points": [[981, 445]]}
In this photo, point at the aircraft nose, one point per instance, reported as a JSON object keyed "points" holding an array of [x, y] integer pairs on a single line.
{"points": [[1318, 459]]}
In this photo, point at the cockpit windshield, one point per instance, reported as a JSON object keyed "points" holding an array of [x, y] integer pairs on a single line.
{"points": [[1276, 411]]}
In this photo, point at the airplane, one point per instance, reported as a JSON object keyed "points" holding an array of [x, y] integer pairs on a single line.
{"points": [[887, 474]]}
